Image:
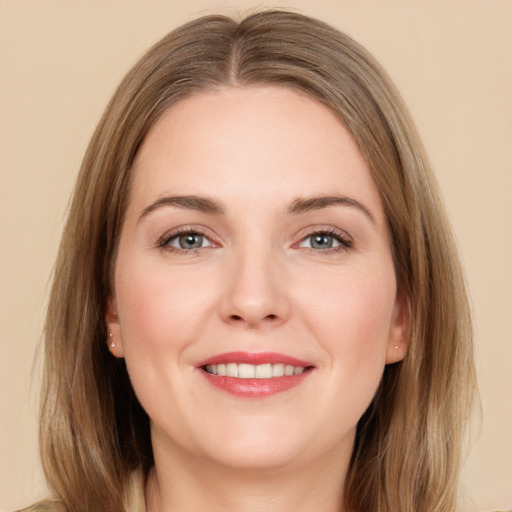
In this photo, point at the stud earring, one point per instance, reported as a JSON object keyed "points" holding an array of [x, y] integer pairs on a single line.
{"points": [[112, 342], [396, 346]]}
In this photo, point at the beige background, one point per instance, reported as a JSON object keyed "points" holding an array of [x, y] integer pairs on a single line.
{"points": [[59, 64]]}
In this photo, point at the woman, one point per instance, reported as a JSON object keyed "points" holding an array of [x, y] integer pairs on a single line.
{"points": [[257, 302]]}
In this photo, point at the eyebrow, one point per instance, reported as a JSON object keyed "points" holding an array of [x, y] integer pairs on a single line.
{"points": [[211, 206], [192, 202], [307, 204]]}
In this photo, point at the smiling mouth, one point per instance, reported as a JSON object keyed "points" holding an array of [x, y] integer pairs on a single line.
{"points": [[251, 371], [255, 375]]}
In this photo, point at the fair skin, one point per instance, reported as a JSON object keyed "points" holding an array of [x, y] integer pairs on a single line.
{"points": [[227, 248]]}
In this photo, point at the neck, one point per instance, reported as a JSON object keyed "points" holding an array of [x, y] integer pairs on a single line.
{"points": [[205, 485]]}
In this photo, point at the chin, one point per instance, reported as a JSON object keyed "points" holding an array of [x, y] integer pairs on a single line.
{"points": [[268, 444], [255, 454]]}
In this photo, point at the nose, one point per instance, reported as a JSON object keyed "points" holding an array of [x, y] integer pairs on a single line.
{"points": [[255, 292]]}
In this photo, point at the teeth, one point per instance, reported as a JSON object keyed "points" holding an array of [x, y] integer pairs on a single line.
{"points": [[263, 371], [278, 370], [246, 371], [288, 370], [231, 370], [250, 371]]}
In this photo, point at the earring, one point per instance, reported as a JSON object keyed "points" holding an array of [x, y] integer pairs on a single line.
{"points": [[396, 346], [112, 342]]}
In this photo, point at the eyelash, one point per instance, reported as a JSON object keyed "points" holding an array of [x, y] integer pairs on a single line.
{"points": [[345, 241]]}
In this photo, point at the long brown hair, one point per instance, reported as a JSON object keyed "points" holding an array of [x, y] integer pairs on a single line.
{"points": [[93, 431]]}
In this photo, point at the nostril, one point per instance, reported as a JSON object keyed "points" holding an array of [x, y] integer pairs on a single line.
{"points": [[267, 317]]}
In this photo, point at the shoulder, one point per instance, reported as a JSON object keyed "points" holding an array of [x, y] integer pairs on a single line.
{"points": [[43, 506]]}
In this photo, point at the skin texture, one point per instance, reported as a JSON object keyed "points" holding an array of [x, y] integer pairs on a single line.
{"points": [[255, 285]]}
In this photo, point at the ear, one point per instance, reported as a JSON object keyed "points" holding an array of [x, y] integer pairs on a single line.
{"points": [[398, 341], [114, 338]]}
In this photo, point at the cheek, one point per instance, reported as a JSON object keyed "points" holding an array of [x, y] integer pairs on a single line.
{"points": [[351, 315], [159, 309], [161, 313]]}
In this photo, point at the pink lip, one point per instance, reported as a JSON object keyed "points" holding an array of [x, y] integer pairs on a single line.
{"points": [[254, 388]]}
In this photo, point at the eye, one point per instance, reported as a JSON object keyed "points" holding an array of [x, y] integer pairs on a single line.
{"points": [[185, 241], [189, 241], [323, 241], [319, 241]]}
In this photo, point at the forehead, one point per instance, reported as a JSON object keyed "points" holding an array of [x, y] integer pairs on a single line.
{"points": [[256, 142]]}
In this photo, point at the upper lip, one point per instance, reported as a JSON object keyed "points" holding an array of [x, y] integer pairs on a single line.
{"points": [[254, 358]]}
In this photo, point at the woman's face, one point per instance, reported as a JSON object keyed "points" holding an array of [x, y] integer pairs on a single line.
{"points": [[255, 244]]}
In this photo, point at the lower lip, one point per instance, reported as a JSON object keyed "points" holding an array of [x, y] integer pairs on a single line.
{"points": [[255, 388]]}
